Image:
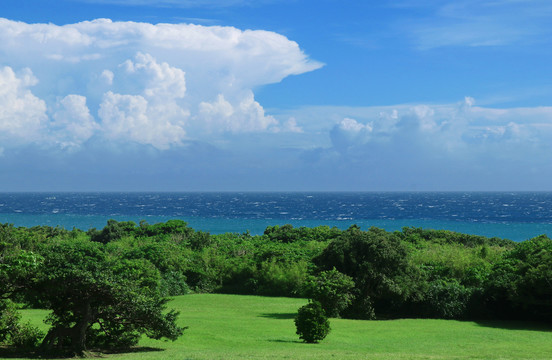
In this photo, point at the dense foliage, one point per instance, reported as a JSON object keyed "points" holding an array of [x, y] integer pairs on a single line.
{"points": [[113, 282], [333, 290]]}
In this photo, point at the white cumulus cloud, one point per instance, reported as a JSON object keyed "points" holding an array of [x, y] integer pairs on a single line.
{"points": [[156, 84], [130, 117], [349, 132], [73, 123], [246, 115], [409, 133], [22, 114]]}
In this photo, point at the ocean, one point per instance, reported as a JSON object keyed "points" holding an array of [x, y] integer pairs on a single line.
{"points": [[512, 215]]}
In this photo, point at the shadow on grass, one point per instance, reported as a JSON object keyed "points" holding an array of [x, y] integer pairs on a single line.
{"points": [[287, 341], [515, 325], [280, 316], [138, 349], [6, 353], [10, 353]]}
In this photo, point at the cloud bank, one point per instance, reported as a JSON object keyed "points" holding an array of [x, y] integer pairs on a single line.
{"points": [[159, 85], [457, 146], [103, 105]]}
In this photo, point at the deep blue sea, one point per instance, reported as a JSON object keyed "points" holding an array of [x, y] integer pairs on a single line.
{"points": [[516, 215]]}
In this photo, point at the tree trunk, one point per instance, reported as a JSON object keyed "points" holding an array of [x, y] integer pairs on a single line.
{"points": [[77, 333], [79, 330]]}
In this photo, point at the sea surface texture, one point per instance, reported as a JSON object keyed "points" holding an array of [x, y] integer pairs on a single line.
{"points": [[516, 216]]}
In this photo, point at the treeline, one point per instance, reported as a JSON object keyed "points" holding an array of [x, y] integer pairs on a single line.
{"points": [[371, 274]]}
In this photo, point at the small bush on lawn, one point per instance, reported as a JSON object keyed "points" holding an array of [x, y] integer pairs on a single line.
{"points": [[312, 323]]}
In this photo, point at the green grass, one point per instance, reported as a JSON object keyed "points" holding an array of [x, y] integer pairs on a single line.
{"points": [[249, 327]]}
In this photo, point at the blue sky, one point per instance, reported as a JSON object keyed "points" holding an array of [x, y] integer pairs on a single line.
{"points": [[268, 95]]}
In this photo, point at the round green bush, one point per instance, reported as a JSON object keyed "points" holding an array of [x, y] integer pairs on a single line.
{"points": [[312, 323]]}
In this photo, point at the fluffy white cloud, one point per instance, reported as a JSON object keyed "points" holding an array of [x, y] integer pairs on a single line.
{"points": [[447, 125], [160, 81], [152, 84], [130, 117], [22, 114], [73, 123], [348, 132], [107, 76], [245, 116], [458, 131], [291, 126], [247, 57], [153, 115]]}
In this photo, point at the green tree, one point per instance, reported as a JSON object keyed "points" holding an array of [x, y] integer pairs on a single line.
{"points": [[376, 260], [333, 290], [521, 284], [98, 300], [114, 230], [312, 323]]}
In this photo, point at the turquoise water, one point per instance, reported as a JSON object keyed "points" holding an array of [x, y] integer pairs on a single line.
{"points": [[511, 230], [515, 216]]}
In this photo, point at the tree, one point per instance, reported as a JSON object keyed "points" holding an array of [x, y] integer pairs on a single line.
{"points": [[114, 230], [377, 262], [520, 285], [99, 300], [312, 323], [333, 290]]}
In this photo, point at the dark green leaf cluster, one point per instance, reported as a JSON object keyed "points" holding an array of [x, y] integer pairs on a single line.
{"points": [[287, 233], [520, 284], [312, 323], [377, 262], [440, 274], [333, 290]]}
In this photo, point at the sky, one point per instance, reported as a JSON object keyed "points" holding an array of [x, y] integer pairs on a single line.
{"points": [[275, 95]]}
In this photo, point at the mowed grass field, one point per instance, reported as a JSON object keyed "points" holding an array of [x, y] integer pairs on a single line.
{"points": [[250, 327]]}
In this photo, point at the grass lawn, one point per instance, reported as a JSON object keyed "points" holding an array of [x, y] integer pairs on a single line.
{"points": [[250, 327]]}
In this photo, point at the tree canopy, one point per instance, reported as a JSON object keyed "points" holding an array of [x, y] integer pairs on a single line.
{"points": [[84, 286]]}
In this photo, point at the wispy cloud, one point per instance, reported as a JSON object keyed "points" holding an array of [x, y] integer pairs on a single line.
{"points": [[181, 3], [477, 23]]}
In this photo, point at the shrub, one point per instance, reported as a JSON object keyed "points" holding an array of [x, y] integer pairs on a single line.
{"points": [[27, 337], [174, 283], [446, 300], [281, 279], [12, 333], [312, 323]]}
